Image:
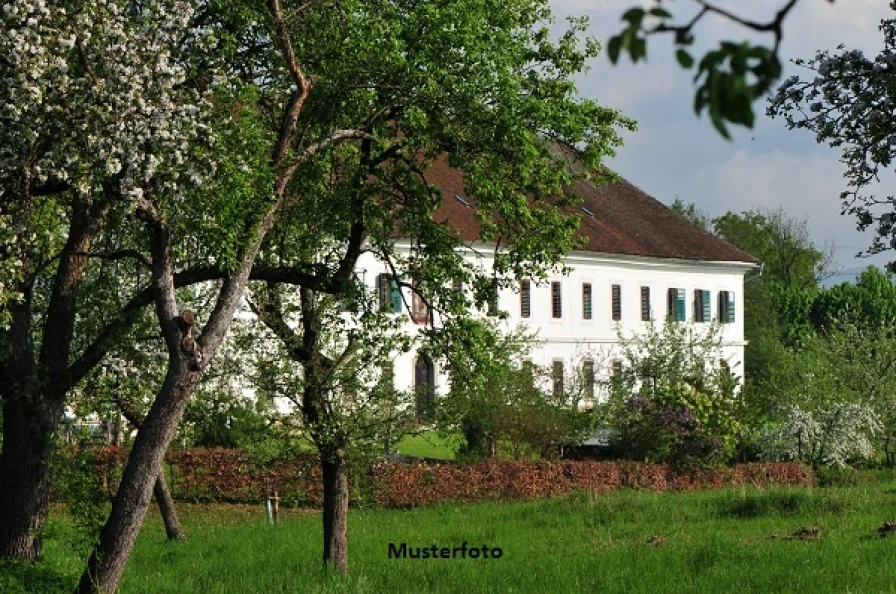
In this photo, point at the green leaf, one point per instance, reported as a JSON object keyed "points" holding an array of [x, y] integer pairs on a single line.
{"points": [[684, 58], [660, 12], [638, 48], [613, 47], [634, 16]]}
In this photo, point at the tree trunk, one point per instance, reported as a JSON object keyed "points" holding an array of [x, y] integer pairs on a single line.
{"points": [[335, 511], [173, 528], [24, 473], [107, 563]]}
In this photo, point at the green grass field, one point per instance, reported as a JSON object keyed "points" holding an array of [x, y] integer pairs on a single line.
{"points": [[429, 444], [724, 541]]}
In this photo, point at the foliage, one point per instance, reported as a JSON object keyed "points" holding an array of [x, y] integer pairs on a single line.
{"points": [[833, 437], [498, 402], [691, 212], [670, 403], [77, 481], [728, 79], [868, 302], [847, 100]]}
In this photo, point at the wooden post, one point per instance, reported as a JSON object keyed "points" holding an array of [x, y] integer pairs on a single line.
{"points": [[276, 500]]}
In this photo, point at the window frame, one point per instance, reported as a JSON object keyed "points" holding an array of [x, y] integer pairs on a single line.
{"points": [[556, 300], [587, 301], [616, 302]]}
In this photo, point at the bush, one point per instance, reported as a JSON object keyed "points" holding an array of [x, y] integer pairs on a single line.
{"points": [[669, 404], [227, 476]]}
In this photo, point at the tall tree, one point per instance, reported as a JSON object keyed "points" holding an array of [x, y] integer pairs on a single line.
{"points": [[396, 87], [777, 300], [92, 104], [464, 88], [848, 101]]}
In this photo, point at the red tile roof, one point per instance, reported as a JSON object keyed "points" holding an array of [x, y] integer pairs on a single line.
{"points": [[626, 221]]}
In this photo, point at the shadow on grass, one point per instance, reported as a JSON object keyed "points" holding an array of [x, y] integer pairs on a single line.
{"points": [[17, 577]]}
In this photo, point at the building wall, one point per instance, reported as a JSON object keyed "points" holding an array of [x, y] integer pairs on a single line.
{"points": [[571, 338]]}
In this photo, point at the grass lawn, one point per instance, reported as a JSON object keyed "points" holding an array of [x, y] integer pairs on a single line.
{"points": [[429, 444], [723, 541]]}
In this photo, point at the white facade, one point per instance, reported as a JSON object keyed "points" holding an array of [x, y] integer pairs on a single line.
{"points": [[571, 338]]}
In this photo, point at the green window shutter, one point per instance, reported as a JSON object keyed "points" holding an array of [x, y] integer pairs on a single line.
{"points": [[395, 296], [707, 306], [679, 309], [730, 307]]}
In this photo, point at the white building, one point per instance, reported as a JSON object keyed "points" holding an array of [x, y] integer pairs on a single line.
{"points": [[641, 262]]}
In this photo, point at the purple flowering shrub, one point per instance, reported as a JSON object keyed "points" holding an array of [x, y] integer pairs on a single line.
{"points": [[680, 426]]}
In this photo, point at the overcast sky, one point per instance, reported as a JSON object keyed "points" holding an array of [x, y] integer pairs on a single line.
{"points": [[673, 153]]}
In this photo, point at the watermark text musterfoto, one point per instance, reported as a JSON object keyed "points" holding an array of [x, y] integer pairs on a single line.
{"points": [[464, 551]]}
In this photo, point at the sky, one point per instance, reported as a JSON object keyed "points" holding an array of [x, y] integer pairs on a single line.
{"points": [[674, 153]]}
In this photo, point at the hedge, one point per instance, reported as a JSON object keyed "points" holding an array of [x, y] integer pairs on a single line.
{"points": [[228, 476]]}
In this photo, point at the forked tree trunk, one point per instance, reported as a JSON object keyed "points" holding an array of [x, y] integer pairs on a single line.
{"points": [[107, 562], [335, 511], [24, 476], [173, 528]]}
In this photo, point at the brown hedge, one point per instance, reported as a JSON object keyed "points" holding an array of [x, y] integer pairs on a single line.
{"points": [[410, 485], [228, 476]]}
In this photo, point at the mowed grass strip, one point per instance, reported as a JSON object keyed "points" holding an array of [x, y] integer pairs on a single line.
{"points": [[629, 541]]}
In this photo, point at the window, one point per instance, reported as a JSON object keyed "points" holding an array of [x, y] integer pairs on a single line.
{"points": [[458, 286], [616, 292], [419, 310], [726, 307], [616, 370], [556, 301], [586, 301], [645, 304], [588, 378], [702, 311], [557, 377], [675, 307], [424, 387], [525, 299], [390, 293]]}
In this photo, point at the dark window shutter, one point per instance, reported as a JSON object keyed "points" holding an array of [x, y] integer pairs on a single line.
{"points": [[382, 283], [556, 301], [588, 378], [586, 301], [616, 293], [525, 299], [671, 303], [645, 304], [557, 376]]}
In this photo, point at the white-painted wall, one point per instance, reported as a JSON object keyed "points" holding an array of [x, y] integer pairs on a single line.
{"points": [[572, 338]]}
